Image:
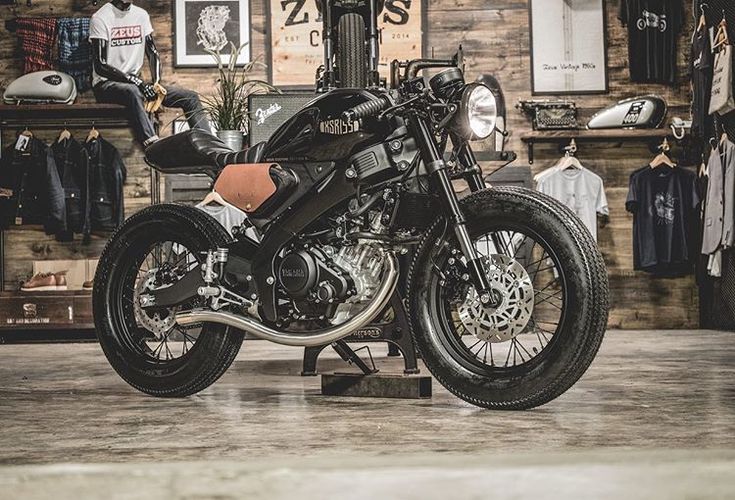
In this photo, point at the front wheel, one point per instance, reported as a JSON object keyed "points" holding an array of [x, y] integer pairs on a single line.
{"points": [[549, 308]]}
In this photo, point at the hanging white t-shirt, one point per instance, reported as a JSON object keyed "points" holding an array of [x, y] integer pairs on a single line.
{"points": [[230, 217], [581, 190], [125, 32]]}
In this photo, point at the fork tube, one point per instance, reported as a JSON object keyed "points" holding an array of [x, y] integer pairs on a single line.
{"points": [[328, 45], [472, 171], [436, 166], [374, 45]]}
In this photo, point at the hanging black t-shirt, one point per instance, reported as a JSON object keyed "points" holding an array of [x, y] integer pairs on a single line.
{"points": [[702, 64], [665, 203], [653, 27]]}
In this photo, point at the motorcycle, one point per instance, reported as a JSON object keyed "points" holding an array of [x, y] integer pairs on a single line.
{"points": [[351, 43], [505, 290]]}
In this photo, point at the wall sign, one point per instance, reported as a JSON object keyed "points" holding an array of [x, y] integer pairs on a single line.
{"points": [[568, 46], [295, 31], [201, 25]]}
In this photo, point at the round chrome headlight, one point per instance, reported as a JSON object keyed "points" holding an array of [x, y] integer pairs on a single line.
{"points": [[478, 112]]}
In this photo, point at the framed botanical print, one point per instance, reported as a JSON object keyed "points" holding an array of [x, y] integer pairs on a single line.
{"points": [[568, 46], [210, 25], [295, 38]]}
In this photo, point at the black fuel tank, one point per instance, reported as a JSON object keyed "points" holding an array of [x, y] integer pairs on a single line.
{"points": [[318, 133]]}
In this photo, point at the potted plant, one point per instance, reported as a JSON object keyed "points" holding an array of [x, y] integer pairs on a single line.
{"points": [[228, 105]]}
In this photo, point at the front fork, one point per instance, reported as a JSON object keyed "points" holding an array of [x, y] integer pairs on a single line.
{"points": [[437, 167]]}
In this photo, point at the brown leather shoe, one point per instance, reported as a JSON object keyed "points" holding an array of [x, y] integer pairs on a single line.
{"points": [[61, 280], [88, 285], [42, 282]]}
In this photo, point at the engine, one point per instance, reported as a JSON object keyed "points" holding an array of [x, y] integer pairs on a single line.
{"points": [[326, 283]]}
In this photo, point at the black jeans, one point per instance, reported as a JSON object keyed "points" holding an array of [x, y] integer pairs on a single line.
{"points": [[130, 96]]}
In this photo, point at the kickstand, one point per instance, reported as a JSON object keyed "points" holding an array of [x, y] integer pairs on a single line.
{"points": [[351, 357]]}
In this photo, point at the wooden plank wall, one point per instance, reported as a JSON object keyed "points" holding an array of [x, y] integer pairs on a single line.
{"points": [[495, 37]]}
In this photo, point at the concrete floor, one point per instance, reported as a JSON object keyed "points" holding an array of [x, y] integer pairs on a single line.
{"points": [[653, 418]]}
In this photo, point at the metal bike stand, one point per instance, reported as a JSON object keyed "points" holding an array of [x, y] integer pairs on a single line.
{"points": [[396, 333], [369, 383]]}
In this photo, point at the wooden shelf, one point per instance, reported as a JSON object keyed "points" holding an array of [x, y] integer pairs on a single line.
{"points": [[600, 135], [54, 115], [596, 135], [56, 293]]}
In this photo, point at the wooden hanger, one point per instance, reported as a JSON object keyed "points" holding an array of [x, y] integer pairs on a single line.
{"points": [[721, 38], [702, 18], [663, 158], [569, 160], [65, 135], [702, 23], [213, 197], [93, 134]]}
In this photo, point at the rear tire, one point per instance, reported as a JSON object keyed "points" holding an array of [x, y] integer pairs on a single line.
{"points": [[351, 53], [216, 346], [577, 336]]}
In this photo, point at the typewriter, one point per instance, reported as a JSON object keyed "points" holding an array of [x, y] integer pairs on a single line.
{"points": [[550, 115]]}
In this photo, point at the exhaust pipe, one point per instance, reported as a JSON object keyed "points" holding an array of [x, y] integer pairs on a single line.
{"points": [[324, 337]]}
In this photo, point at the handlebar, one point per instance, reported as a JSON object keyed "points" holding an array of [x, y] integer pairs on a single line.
{"points": [[366, 109]]}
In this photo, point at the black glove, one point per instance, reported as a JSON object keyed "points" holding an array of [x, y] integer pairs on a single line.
{"points": [[149, 93]]}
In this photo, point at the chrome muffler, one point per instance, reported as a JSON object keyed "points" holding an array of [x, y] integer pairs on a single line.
{"points": [[323, 337]]}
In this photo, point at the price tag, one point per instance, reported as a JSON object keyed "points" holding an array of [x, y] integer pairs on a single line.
{"points": [[19, 221], [22, 143]]}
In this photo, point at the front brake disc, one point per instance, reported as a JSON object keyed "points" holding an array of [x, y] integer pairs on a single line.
{"points": [[510, 281]]}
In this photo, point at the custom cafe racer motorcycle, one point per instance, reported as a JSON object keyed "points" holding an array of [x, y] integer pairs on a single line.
{"points": [[505, 289]]}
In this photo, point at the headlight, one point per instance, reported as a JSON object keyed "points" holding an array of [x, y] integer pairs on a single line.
{"points": [[478, 112]]}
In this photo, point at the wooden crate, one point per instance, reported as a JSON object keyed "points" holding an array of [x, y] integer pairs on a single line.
{"points": [[46, 310]]}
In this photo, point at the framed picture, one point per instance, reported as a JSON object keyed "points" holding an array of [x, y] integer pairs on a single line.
{"points": [[568, 46], [201, 25], [295, 39]]}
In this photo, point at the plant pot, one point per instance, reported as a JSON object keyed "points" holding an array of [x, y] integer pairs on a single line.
{"points": [[233, 138]]}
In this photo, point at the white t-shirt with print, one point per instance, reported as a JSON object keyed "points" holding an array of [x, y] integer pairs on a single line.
{"points": [[581, 190], [125, 32]]}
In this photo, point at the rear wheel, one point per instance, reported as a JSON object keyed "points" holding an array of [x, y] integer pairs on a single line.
{"points": [[155, 248], [351, 53], [550, 301]]}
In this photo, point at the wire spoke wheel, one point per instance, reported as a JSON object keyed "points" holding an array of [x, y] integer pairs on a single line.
{"points": [[528, 288], [155, 249], [547, 312]]}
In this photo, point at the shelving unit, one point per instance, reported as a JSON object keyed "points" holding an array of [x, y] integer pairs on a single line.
{"points": [[62, 310]]}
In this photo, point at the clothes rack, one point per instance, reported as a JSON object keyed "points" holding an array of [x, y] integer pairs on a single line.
{"points": [[76, 116]]}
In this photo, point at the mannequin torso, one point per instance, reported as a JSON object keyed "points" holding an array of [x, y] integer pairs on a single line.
{"points": [[108, 71]]}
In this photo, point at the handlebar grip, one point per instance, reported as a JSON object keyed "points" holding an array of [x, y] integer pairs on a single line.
{"points": [[366, 109]]}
